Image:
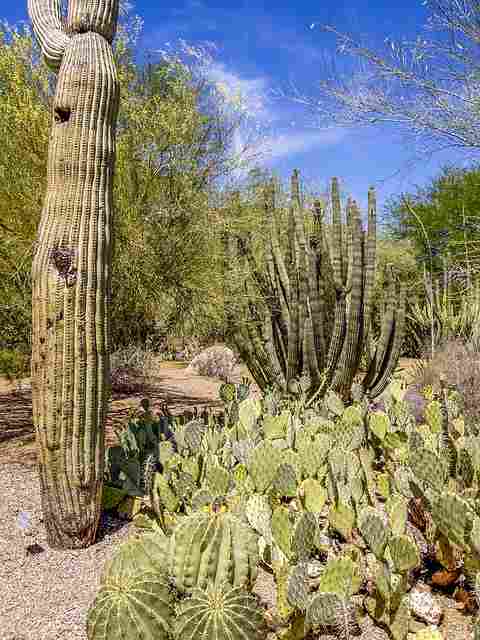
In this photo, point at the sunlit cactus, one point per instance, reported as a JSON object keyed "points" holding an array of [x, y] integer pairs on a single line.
{"points": [[71, 269], [309, 310]]}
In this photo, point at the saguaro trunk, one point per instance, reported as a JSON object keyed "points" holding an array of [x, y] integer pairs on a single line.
{"points": [[71, 269]]}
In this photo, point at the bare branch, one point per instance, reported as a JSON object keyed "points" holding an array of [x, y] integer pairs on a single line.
{"points": [[430, 89]]}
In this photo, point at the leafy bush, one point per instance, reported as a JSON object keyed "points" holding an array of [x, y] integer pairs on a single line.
{"points": [[214, 362], [14, 364]]}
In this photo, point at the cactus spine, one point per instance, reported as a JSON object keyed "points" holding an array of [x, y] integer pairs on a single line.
{"points": [[71, 268]]}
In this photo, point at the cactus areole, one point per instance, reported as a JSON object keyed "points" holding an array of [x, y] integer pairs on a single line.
{"points": [[71, 269]]}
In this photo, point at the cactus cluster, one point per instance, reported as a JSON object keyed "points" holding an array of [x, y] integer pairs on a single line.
{"points": [[309, 307], [343, 505]]}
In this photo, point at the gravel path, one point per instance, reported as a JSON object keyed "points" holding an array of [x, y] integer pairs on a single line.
{"points": [[45, 595]]}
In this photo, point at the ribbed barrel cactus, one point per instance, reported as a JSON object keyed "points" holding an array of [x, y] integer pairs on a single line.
{"points": [[71, 269]]}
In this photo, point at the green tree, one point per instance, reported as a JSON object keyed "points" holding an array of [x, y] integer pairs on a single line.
{"points": [[168, 242], [172, 146], [24, 129], [442, 221]]}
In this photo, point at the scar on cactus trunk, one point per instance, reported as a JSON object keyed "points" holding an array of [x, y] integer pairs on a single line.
{"points": [[71, 270]]}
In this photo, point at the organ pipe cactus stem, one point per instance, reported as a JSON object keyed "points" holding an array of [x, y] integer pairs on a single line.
{"points": [[71, 270], [318, 300]]}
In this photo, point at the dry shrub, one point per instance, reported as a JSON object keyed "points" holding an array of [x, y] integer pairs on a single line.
{"points": [[132, 370], [459, 364], [215, 362]]}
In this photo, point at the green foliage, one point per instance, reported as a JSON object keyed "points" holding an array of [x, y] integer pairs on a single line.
{"points": [[14, 364], [167, 264], [450, 201], [24, 128]]}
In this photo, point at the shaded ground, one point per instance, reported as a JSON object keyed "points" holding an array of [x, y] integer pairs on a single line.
{"points": [[180, 389]]}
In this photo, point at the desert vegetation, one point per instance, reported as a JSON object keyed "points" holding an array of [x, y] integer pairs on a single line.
{"points": [[331, 494]]}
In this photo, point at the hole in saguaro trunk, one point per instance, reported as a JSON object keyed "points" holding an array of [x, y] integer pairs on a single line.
{"points": [[62, 114], [63, 262]]}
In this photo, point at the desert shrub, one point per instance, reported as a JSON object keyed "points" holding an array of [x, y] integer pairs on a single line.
{"points": [[14, 364], [458, 362], [215, 362], [131, 370]]}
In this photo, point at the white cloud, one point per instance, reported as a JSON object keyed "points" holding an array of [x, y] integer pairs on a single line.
{"points": [[247, 94], [286, 144]]}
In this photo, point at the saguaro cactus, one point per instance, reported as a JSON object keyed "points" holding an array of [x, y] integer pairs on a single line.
{"points": [[71, 269]]}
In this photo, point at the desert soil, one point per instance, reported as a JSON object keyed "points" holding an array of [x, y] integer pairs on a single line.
{"points": [[179, 387]]}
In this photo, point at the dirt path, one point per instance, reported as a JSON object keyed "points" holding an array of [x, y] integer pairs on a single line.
{"points": [[181, 389]]}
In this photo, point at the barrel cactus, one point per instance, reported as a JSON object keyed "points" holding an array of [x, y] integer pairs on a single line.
{"points": [[135, 606], [71, 270], [204, 548], [215, 547], [220, 613]]}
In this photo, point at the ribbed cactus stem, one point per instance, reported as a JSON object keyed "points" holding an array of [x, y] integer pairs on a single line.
{"points": [[71, 268], [318, 298], [348, 362], [49, 31]]}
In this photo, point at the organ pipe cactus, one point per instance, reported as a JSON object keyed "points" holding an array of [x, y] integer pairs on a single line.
{"points": [[71, 269], [318, 301]]}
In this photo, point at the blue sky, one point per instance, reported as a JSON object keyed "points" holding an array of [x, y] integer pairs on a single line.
{"points": [[261, 47]]}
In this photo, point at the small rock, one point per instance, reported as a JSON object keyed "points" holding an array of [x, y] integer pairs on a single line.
{"points": [[265, 589], [370, 631], [424, 606]]}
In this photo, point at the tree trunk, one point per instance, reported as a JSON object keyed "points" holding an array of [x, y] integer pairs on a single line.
{"points": [[71, 270]]}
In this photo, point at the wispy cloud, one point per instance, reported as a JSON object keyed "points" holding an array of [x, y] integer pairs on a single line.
{"points": [[282, 145], [250, 95]]}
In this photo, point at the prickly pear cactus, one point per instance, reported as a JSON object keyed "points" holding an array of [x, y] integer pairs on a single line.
{"points": [[71, 269]]}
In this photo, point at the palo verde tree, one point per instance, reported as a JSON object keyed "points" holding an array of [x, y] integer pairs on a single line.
{"points": [[27, 90], [24, 122], [174, 143], [71, 270], [170, 152], [428, 88]]}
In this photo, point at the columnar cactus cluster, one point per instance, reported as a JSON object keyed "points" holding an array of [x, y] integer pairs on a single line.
{"points": [[71, 269], [315, 318]]}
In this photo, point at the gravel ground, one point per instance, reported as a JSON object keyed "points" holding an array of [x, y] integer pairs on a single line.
{"points": [[45, 595]]}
